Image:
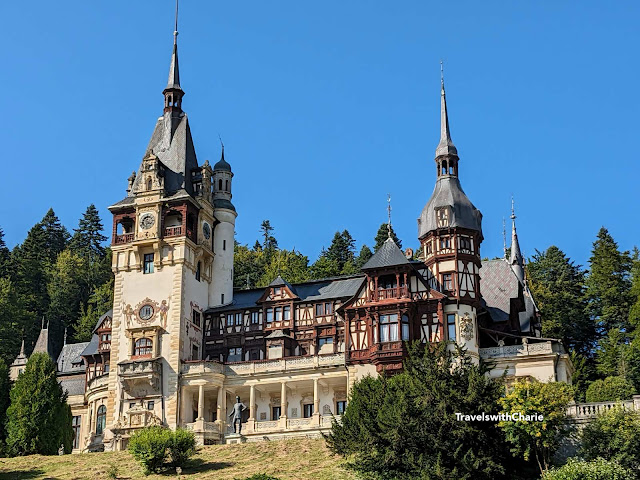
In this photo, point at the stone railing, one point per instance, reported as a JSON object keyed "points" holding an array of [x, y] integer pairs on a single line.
{"points": [[98, 382], [517, 350], [584, 411], [268, 425], [140, 368], [190, 368]]}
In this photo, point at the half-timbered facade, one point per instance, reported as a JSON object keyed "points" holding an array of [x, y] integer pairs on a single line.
{"points": [[180, 344]]}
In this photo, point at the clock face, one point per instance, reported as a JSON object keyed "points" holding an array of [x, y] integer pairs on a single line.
{"points": [[147, 220], [206, 230], [146, 312]]}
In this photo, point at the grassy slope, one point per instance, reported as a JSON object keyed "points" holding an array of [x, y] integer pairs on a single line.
{"points": [[288, 460]]}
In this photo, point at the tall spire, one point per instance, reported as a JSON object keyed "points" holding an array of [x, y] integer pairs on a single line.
{"points": [[446, 146], [516, 260], [173, 93]]}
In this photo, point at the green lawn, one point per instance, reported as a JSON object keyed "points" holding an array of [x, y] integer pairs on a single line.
{"points": [[288, 460]]}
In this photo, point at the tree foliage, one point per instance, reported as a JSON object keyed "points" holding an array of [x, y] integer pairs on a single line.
{"points": [[537, 439], [383, 234], [610, 389], [5, 386], [405, 427], [614, 435], [38, 419], [598, 469], [153, 446]]}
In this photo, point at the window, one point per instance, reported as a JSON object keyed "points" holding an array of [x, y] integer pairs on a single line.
{"points": [[328, 308], [229, 319], [451, 326], [143, 347], [198, 268], [196, 317], [195, 352], [389, 328], [341, 406], [322, 341], [307, 410], [150, 405], [220, 184], [105, 337], [445, 243], [277, 291], [148, 263], [269, 315], [222, 298], [447, 282], [275, 413], [465, 243], [226, 185], [106, 368], [278, 312], [319, 309], [75, 423], [132, 404], [286, 313], [224, 244], [235, 355], [324, 309], [405, 327], [238, 318], [255, 318], [146, 312], [101, 419], [429, 248]]}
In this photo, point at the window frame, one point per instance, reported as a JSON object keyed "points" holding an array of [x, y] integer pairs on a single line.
{"points": [[101, 419], [451, 322], [140, 350], [387, 332], [147, 263]]}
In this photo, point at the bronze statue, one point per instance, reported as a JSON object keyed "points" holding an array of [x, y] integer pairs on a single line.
{"points": [[238, 408]]}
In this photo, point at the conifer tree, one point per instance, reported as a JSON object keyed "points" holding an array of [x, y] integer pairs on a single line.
{"points": [[342, 249], [12, 321], [4, 256], [88, 239], [364, 256], [557, 285], [292, 266], [383, 234], [5, 386], [269, 242], [634, 311], [56, 235], [100, 302], [37, 419], [324, 267], [608, 284]]}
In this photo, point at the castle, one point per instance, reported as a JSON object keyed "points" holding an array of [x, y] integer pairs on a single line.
{"points": [[180, 344]]}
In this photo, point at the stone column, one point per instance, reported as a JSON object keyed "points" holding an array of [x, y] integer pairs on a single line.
{"points": [[283, 405], [252, 402], [200, 402], [221, 409], [316, 402]]}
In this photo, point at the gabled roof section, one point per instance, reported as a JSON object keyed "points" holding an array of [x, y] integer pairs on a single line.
{"points": [[92, 346], [70, 359], [108, 314], [43, 344], [388, 255]]}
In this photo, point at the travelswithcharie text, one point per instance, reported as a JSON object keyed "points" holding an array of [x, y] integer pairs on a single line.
{"points": [[500, 417]]}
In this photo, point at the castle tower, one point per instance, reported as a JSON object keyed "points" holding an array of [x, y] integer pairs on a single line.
{"points": [[450, 234], [172, 258]]}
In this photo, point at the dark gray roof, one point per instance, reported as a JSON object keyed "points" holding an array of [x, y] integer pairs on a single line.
{"points": [[171, 142], [43, 344], [223, 203], [448, 192], [331, 288], [446, 146], [173, 83], [73, 385], [70, 360], [108, 313], [281, 282], [222, 164], [388, 255], [92, 346]]}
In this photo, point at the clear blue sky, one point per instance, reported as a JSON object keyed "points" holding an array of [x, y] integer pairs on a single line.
{"points": [[326, 107]]}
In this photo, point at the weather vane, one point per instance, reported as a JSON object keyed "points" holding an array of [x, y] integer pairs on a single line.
{"points": [[389, 214]]}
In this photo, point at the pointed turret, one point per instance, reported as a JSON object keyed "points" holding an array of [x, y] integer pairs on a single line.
{"points": [[18, 364], [446, 146], [173, 93], [515, 258]]}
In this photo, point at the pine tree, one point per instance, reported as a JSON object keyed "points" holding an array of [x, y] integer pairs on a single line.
{"points": [[324, 267], [269, 242], [37, 419], [364, 256], [12, 321], [5, 386], [4, 256], [56, 235], [100, 302], [383, 234], [342, 249], [557, 285], [608, 284], [88, 239], [634, 311]]}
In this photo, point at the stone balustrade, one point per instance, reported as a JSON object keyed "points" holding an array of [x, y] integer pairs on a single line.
{"points": [[518, 350], [588, 411], [98, 382]]}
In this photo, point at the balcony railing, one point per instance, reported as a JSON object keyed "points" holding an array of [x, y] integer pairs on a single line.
{"points": [[173, 231], [264, 366], [517, 350], [585, 411], [124, 238], [98, 382], [389, 293], [105, 346]]}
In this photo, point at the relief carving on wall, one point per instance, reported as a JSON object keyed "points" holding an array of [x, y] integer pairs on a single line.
{"points": [[466, 327], [146, 312]]}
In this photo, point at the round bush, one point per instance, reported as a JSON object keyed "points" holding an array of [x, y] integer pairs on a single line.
{"points": [[182, 445], [149, 447], [598, 469], [610, 389]]}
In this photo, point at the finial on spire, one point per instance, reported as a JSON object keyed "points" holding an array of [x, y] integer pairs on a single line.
{"points": [[175, 32], [389, 214], [516, 259], [446, 146], [513, 211], [173, 93], [22, 347], [64, 341]]}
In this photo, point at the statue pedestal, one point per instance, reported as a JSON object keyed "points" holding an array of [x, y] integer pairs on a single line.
{"points": [[231, 438]]}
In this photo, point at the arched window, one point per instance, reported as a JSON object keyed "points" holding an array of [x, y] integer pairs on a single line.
{"points": [[226, 185], [149, 184], [101, 419], [220, 184], [143, 346], [198, 267]]}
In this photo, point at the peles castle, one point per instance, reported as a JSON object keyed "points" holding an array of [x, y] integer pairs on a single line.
{"points": [[180, 344]]}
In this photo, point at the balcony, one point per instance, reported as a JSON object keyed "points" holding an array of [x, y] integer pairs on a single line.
{"points": [[541, 348], [390, 293], [124, 238], [172, 231], [137, 372], [585, 412], [98, 382], [288, 364]]}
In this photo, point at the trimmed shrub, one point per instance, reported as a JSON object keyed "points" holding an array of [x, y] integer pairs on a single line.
{"points": [[149, 447], [182, 445], [610, 389], [598, 469]]}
